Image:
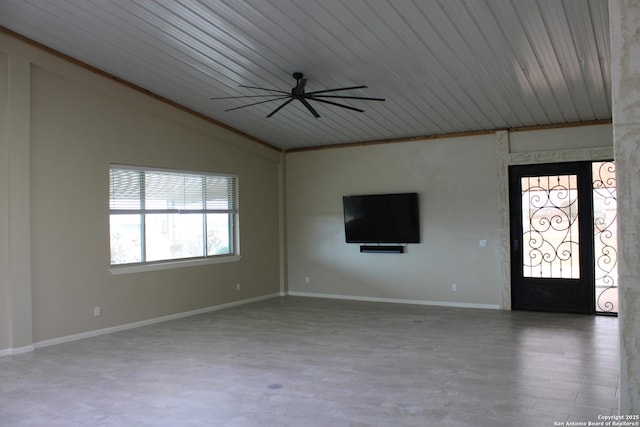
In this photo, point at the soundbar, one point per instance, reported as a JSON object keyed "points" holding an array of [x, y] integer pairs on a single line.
{"points": [[382, 249]]}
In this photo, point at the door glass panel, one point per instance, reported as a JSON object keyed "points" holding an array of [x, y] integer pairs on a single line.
{"points": [[605, 236], [550, 227]]}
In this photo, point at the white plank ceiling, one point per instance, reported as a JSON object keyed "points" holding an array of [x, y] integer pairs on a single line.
{"points": [[444, 66]]}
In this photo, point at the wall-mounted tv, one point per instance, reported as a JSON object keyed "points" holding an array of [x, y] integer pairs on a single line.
{"points": [[382, 218]]}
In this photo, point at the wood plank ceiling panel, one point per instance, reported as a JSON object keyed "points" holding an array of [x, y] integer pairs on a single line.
{"points": [[470, 76], [490, 51], [443, 66], [600, 28], [591, 70], [294, 37], [436, 56], [426, 92], [319, 50]]}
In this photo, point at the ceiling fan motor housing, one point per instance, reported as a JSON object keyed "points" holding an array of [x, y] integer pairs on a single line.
{"points": [[298, 90]]}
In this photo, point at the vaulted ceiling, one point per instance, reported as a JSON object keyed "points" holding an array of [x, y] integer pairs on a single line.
{"points": [[443, 66]]}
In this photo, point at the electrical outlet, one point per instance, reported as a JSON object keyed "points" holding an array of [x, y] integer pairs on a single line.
{"points": [[96, 311], [307, 280], [237, 286], [454, 287]]}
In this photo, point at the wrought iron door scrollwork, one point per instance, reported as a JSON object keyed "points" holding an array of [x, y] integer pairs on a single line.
{"points": [[550, 226], [605, 238]]}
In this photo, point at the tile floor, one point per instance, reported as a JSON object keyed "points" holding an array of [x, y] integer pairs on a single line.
{"points": [[296, 361]]}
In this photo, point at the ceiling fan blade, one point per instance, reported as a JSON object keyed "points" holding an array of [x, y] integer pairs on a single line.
{"points": [[339, 105], [256, 103], [336, 90], [244, 96], [310, 108], [264, 88], [366, 98], [280, 107], [298, 92]]}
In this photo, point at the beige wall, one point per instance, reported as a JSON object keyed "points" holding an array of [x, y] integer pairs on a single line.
{"points": [[457, 184], [79, 123], [4, 206], [462, 187], [560, 140]]}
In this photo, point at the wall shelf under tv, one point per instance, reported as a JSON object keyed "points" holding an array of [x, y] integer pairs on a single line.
{"points": [[382, 249]]}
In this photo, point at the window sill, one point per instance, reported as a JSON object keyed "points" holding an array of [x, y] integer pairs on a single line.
{"points": [[170, 265]]}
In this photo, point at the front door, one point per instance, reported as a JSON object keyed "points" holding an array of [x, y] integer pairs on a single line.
{"points": [[552, 255]]}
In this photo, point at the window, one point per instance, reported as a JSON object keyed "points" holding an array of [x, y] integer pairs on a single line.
{"points": [[162, 215]]}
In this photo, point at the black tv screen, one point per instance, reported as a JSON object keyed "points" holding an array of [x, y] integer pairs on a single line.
{"points": [[382, 218]]}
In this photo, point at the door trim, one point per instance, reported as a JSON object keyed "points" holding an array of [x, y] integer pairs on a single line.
{"points": [[506, 158]]}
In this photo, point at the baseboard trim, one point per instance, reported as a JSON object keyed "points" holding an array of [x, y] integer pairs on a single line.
{"points": [[17, 350], [396, 300], [97, 332]]}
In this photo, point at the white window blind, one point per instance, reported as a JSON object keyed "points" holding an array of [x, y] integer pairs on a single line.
{"points": [[158, 215], [140, 190]]}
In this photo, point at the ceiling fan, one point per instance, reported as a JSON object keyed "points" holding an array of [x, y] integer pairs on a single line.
{"points": [[298, 93]]}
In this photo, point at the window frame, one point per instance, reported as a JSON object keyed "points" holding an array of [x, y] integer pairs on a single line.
{"points": [[163, 264]]}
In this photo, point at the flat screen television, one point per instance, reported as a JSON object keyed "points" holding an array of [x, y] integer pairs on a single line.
{"points": [[382, 218]]}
